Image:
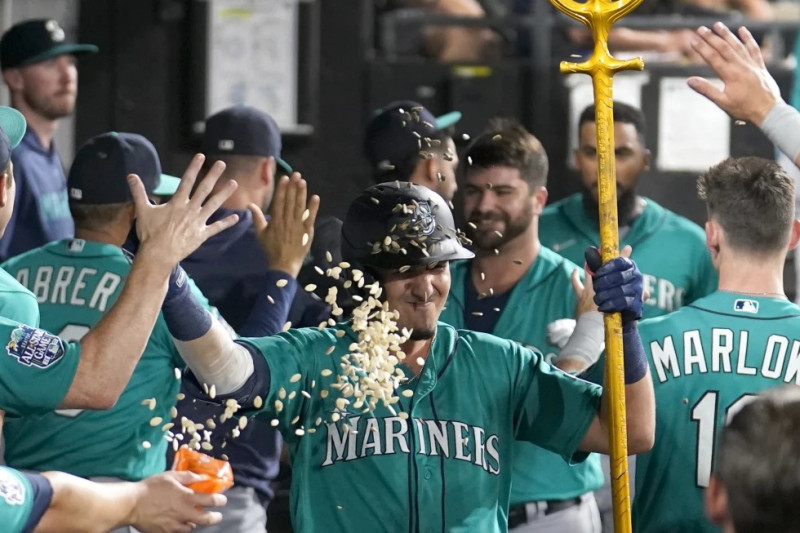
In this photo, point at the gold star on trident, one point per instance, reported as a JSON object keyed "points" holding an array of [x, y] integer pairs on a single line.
{"points": [[599, 16]]}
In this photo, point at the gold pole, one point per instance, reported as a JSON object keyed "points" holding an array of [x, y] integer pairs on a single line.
{"points": [[599, 16]]}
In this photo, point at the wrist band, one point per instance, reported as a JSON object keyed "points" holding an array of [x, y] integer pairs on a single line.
{"points": [[186, 318], [636, 366], [782, 127]]}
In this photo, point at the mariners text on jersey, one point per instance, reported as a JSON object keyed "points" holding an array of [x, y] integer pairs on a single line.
{"points": [[366, 436], [67, 285], [780, 358]]}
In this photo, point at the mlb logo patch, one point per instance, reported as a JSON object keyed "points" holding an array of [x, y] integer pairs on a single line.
{"points": [[12, 491], [746, 306], [76, 245], [34, 347]]}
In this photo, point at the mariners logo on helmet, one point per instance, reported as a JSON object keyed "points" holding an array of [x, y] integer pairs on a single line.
{"points": [[395, 225], [423, 219]]}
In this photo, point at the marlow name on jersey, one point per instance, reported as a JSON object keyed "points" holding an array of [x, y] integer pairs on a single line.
{"points": [[69, 288], [390, 435], [725, 342]]}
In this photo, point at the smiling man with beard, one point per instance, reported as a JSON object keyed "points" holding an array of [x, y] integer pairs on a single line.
{"points": [[517, 289], [670, 249], [39, 68]]}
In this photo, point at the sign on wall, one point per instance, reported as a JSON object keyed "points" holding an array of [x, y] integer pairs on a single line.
{"points": [[252, 57]]}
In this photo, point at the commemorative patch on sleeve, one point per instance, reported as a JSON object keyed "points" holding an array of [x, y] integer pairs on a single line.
{"points": [[11, 488], [34, 347]]}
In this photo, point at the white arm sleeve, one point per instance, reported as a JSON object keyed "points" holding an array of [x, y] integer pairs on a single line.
{"points": [[587, 340], [217, 360]]}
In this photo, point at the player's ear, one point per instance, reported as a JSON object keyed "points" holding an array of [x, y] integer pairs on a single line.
{"points": [[5, 182], [431, 167], [268, 169], [716, 502], [539, 198], [794, 239], [647, 157], [13, 78]]}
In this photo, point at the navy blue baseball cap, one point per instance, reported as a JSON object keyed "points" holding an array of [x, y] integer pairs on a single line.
{"points": [[101, 166], [12, 130], [37, 40], [243, 130], [398, 131]]}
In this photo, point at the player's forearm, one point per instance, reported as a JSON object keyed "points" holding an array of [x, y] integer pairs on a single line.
{"points": [[81, 506], [640, 413], [111, 349], [216, 360], [639, 396]]}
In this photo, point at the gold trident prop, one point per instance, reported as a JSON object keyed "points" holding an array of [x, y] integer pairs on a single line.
{"points": [[599, 16]]}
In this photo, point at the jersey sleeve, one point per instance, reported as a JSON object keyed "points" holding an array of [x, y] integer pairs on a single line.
{"points": [[24, 498], [36, 369], [23, 308], [292, 359], [280, 362], [552, 408]]}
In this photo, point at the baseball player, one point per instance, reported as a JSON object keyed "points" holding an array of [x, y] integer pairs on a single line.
{"points": [[404, 141], [516, 288], [710, 357], [759, 443], [91, 374], [76, 280], [670, 249], [441, 454], [55, 501]]}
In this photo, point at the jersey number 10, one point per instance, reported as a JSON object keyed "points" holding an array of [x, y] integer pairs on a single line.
{"points": [[704, 412]]}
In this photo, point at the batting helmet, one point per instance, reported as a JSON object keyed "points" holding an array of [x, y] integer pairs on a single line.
{"points": [[391, 225]]}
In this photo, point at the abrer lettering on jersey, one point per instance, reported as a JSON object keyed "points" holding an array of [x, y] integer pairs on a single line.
{"points": [[780, 358], [66, 286], [367, 436]]}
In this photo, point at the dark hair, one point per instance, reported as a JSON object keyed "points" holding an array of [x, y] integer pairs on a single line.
{"points": [[507, 143], [759, 465], [434, 145], [623, 114], [753, 200], [96, 216]]}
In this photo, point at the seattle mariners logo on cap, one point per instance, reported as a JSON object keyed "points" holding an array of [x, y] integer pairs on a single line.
{"points": [[56, 33], [423, 219]]}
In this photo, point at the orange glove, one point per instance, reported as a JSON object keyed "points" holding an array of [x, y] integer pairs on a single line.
{"points": [[218, 473]]}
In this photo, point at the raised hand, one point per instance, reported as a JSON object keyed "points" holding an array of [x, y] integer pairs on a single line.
{"points": [[750, 91], [286, 238], [618, 284], [176, 228], [166, 505]]}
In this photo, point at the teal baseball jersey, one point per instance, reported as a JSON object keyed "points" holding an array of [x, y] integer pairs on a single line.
{"points": [[17, 500], [76, 282], [16, 302], [670, 250], [706, 360], [542, 296], [442, 460], [36, 370]]}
